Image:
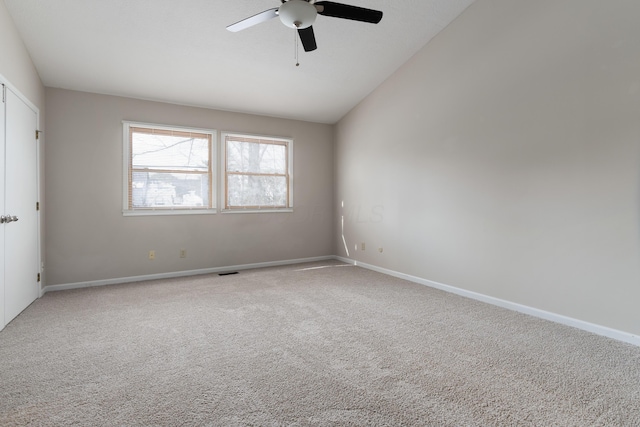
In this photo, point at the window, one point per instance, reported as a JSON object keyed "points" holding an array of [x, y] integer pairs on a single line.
{"points": [[257, 173], [168, 170]]}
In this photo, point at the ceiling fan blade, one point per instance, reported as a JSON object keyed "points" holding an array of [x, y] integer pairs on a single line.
{"points": [[254, 20], [345, 11], [308, 39]]}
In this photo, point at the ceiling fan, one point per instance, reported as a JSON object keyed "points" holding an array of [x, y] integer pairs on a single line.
{"points": [[301, 14]]}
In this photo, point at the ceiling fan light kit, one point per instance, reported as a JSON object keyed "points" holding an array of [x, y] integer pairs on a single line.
{"points": [[301, 14], [297, 14]]}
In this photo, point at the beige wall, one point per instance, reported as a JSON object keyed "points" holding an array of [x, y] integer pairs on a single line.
{"points": [[504, 159], [89, 239]]}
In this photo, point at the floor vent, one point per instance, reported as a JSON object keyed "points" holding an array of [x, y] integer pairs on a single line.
{"points": [[227, 274]]}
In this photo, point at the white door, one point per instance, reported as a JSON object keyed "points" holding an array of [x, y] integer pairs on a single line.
{"points": [[21, 195]]}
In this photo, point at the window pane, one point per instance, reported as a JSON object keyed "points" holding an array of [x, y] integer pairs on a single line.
{"points": [[168, 190], [186, 152], [256, 158], [248, 190]]}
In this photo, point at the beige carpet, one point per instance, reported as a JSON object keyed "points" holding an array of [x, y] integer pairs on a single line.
{"points": [[304, 346]]}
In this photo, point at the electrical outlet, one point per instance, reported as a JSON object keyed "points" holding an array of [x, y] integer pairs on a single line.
{"points": [[362, 247], [183, 253], [380, 250], [152, 254]]}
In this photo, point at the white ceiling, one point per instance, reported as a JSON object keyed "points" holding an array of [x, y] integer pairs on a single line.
{"points": [[179, 51]]}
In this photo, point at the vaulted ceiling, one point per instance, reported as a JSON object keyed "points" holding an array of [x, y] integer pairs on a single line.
{"points": [[179, 51]]}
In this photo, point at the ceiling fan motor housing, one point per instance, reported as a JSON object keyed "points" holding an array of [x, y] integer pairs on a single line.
{"points": [[297, 14]]}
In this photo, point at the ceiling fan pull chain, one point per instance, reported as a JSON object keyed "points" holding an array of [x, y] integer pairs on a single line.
{"points": [[295, 46]]}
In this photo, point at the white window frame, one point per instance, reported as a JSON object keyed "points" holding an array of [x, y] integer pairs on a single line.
{"points": [[126, 148], [223, 174]]}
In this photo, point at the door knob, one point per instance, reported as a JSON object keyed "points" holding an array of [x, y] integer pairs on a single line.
{"points": [[8, 219]]}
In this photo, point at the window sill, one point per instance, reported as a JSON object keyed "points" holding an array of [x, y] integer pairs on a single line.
{"points": [[160, 212], [252, 211]]}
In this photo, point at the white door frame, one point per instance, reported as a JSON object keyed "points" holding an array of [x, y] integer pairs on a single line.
{"points": [[2, 207]]}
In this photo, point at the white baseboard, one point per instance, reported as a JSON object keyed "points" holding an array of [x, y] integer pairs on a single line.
{"points": [[171, 275], [558, 318]]}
